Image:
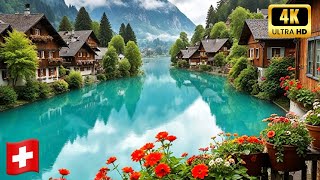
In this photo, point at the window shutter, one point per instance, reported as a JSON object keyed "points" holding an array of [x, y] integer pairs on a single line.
{"points": [[282, 51], [269, 53]]}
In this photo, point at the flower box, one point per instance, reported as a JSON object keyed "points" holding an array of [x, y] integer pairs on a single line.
{"points": [[297, 108]]}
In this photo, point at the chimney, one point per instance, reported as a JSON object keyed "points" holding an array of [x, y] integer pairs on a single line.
{"points": [[27, 10]]}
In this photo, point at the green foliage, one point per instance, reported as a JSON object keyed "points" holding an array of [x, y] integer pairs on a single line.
{"points": [[183, 64], [211, 18], [105, 31], [29, 92], [255, 89], [101, 77], [122, 31], [132, 53], [20, 55], [118, 43], [219, 30], [175, 49], [83, 20], [238, 17], [277, 69], [7, 95], [219, 59], [130, 35], [65, 24], [74, 79], [95, 26], [60, 86], [198, 34], [45, 90], [246, 79], [62, 71], [205, 68], [89, 80], [240, 65], [124, 67], [237, 51], [109, 61], [312, 116], [184, 39]]}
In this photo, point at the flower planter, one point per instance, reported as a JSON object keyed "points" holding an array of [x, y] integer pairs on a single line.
{"points": [[297, 109], [291, 160], [254, 163], [314, 132]]}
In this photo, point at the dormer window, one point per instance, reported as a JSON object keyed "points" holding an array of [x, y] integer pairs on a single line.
{"points": [[37, 32]]}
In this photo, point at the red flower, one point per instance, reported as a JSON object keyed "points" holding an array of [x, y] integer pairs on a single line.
{"points": [[240, 140], [137, 155], [162, 136], [184, 154], [171, 138], [286, 88], [271, 134], [204, 149], [191, 159], [299, 86], [162, 170], [127, 170], [287, 77], [152, 159], [318, 69], [282, 79], [148, 146], [111, 160], [64, 172], [200, 171], [291, 83], [135, 176]]}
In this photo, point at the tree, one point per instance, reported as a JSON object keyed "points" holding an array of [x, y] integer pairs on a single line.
{"points": [[175, 49], [105, 31], [184, 38], [130, 35], [219, 59], [198, 34], [132, 53], [20, 55], [110, 60], [218, 30], [96, 28], [211, 18], [124, 67], [122, 31], [83, 20], [65, 24], [238, 17], [237, 51], [118, 43]]}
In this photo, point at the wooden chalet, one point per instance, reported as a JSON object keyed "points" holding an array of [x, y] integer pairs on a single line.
{"points": [[263, 48], [80, 55], [38, 28], [4, 29]]}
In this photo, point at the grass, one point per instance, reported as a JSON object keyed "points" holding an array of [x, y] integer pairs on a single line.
{"points": [[283, 102]]}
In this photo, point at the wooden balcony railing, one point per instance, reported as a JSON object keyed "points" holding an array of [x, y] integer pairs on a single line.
{"points": [[41, 38]]}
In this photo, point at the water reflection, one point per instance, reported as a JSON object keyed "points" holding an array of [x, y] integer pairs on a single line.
{"points": [[79, 130]]}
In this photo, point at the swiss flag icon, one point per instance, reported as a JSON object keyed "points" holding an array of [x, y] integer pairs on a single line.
{"points": [[23, 157]]}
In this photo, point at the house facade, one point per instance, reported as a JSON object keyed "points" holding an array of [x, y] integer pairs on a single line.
{"points": [[48, 42], [261, 47], [4, 29], [81, 53]]}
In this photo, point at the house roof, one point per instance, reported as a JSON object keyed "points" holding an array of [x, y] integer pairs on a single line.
{"points": [[23, 23], [101, 53], [258, 28], [74, 48], [4, 27], [81, 35], [213, 45], [190, 51], [184, 53]]}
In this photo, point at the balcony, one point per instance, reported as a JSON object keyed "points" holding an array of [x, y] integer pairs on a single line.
{"points": [[40, 38], [85, 62]]}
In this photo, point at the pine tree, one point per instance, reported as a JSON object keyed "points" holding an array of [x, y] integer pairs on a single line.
{"points": [[210, 17], [130, 35], [122, 31], [105, 31], [83, 20], [65, 24]]}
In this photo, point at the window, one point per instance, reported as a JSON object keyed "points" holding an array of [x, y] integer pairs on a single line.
{"points": [[50, 54], [88, 54], [257, 53], [42, 55], [313, 61], [41, 72], [276, 52], [80, 54], [251, 54], [37, 32], [4, 74], [52, 72]]}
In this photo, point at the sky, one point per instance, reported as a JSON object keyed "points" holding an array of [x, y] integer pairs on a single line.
{"points": [[195, 10]]}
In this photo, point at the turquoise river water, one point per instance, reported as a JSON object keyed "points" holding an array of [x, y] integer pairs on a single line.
{"points": [[81, 129]]}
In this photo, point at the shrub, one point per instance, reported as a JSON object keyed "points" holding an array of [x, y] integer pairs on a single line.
{"points": [[247, 78], [62, 71], [124, 67], [44, 90], [240, 65], [237, 51], [7, 95], [101, 77], [183, 64], [60, 86], [29, 92], [74, 79], [219, 59], [204, 67], [89, 80], [255, 89]]}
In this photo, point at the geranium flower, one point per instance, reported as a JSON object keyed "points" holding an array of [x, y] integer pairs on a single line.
{"points": [[171, 138], [282, 79], [200, 171], [191, 159], [64, 172], [235, 135], [184, 154], [271, 134], [299, 86], [127, 170], [111, 160], [148, 146], [152, 159], [162, 135], [135, 176], [204, 149], [162, 170], [137, 155], [240, 140], [287, 88]]}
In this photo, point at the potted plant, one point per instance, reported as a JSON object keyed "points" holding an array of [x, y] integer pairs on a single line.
{"points": [[313, 125], [287, 141], [245, 149]]}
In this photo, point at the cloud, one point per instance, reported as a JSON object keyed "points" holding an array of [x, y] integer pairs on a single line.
{"points": [[151, 4], [195, 10], [94, 4]]}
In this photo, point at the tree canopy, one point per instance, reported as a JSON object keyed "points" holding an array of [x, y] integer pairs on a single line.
{"points": [[95, 26], [175, 49], [211, 17], [83, 20], [110, 60], [219, 30], [184, 39], [130, 35], [105, 32], [65, 24], [118, 43], [132, 53], [198, 34]]}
